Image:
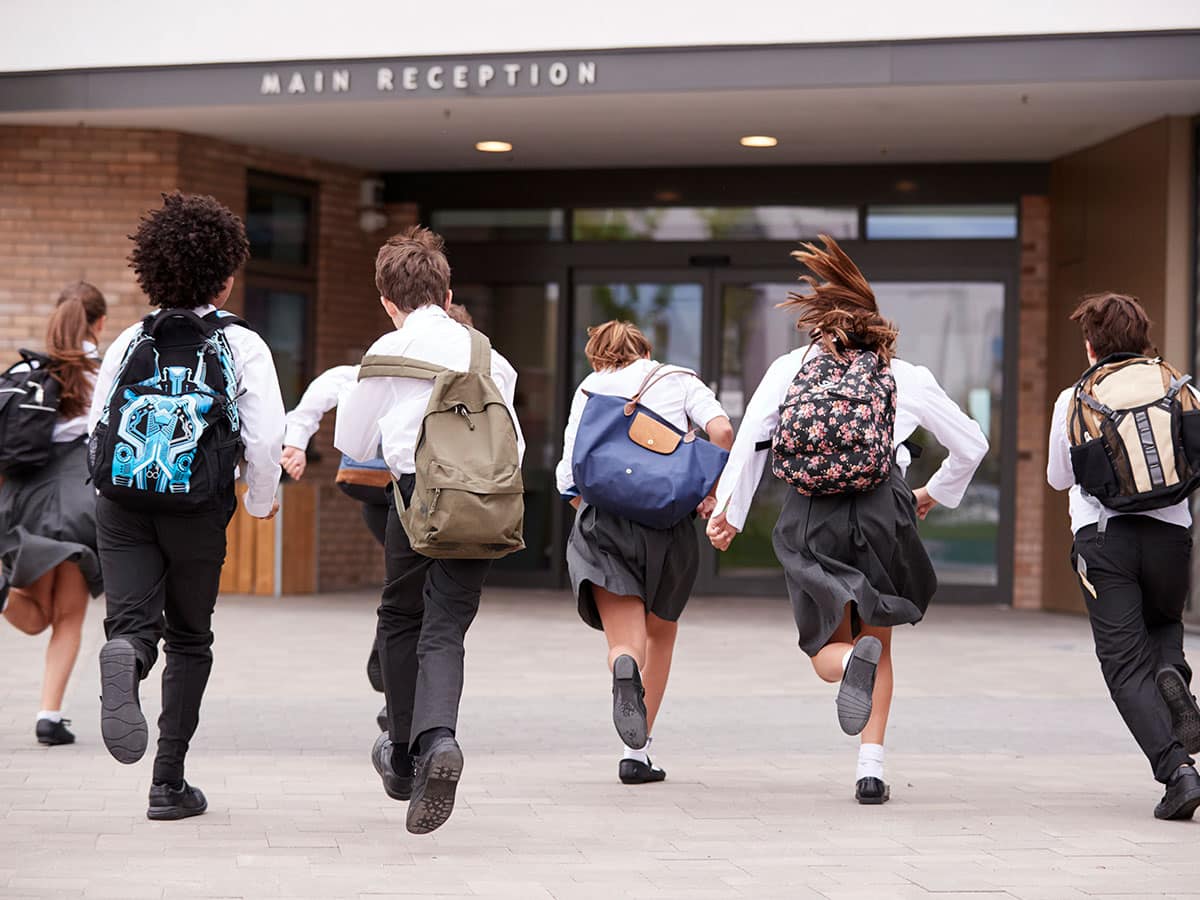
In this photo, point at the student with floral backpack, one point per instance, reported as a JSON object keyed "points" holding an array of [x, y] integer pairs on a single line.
{"points": [[834, 417]]}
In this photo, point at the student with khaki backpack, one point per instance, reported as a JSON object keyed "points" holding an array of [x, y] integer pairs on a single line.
{"points": [[440, 401]]}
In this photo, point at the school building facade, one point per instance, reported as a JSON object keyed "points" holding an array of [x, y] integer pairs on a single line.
{"points": [[983, 173]]}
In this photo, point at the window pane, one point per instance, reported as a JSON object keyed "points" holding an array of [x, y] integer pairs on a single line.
{"points": [[521, 320], [281, 317], [670, 315], [277, 226], [500, 224], [732, 223], [892, 222], [956, 329]]}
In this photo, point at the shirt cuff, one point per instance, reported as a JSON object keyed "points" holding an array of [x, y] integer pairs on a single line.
{"points": [[943, 495], [257, 507], [295, 436]]}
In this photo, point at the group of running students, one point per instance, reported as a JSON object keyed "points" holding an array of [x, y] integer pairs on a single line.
{"points": [[852, 557]]}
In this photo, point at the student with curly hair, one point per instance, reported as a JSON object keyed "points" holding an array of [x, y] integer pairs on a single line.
{"points": [[48, 516], [835, 415], [162, 543]]}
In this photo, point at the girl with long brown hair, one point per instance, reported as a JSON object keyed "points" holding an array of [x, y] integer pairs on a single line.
{"points": [[834, 417], [48, 518], [630, 580]]}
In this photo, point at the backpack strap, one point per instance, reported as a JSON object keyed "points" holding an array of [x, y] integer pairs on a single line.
{"points": [[481, 353], [378, 365]]}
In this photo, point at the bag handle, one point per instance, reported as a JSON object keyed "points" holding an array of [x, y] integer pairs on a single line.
{"points": [[654, 377], [158, 319]]}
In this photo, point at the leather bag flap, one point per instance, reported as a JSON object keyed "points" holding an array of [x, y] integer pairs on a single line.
{"points": [[646, 432]]}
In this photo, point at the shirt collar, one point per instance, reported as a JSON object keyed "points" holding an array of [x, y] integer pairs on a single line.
{"points": [[430, 312]]}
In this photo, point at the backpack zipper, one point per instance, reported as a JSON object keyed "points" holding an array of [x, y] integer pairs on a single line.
{"points": [[462, 411], [433, 503]]}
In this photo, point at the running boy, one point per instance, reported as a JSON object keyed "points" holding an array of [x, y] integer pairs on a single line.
{"points": [[428, 604], [160, 455], [1133, 571]]}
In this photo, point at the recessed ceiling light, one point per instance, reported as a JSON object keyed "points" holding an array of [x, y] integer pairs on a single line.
{"points": [[758, 140], [493, 146]]}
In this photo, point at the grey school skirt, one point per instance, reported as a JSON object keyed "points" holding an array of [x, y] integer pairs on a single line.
{"points": [[49, 518], [626, 558], [862, 549]]}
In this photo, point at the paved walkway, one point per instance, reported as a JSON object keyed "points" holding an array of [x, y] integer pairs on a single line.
{"points": [[1012, 775]]}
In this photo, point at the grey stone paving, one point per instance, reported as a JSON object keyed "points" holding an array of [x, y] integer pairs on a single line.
{"points": [[1012, 774]]}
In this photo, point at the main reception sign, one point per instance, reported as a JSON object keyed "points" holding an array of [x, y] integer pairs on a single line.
{"points": [[476, 77]]}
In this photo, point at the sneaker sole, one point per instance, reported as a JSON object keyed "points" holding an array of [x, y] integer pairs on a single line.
{"points": [[858, 685], [1184, 811], [1185, 717], [431, 808], [173, 813], [122, 724], [629, 709]]}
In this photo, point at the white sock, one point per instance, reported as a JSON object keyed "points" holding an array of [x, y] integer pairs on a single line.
{"points": [[846, 659], [54, 715], [642, 756], [870, 762]]}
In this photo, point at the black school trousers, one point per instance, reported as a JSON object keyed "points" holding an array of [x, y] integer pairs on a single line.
{"points": [[161, 576], [426, 609], [1135, 584]]}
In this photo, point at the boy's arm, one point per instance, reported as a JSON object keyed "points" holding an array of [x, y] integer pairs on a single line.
{"points": [[357, 432], [319, 398], [106, 375], [260, 408], [1059, 474]]}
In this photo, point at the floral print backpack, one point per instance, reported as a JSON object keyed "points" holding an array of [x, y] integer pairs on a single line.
{"points": [[836, 425]]}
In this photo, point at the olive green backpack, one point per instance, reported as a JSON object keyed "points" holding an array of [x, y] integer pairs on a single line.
{"points": [[469, 499]]}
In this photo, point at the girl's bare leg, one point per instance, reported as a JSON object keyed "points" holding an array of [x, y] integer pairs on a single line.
{"points": [[624, 620], [67, 612], [29, 607], [660, 646], [828, 661], [881, 697]]}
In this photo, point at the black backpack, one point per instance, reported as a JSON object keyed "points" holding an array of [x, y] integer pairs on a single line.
{"points": [[169, 437], [28, 413]]}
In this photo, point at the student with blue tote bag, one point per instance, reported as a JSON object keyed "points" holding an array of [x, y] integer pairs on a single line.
{"points": [[637, 474]]}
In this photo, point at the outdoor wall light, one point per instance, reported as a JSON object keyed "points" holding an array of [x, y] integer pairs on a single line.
{"points": [[758, 140], [493, 146]]}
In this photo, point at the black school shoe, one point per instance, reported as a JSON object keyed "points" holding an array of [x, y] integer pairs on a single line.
{"points": [[375, 670], [397, 785], [54, 734], [633, 771], [872, 791], [435, 780], [121, 721], [1185, 714], [858, 685], [169, 802], [629, 704], [381, 718], [1182, 795]]}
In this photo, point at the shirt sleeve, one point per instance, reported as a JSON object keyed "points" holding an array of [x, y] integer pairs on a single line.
{"points": [[1059, 473], [108, 374], [564, 472], [358, 433], [701, 403], [743, 471], [954, 430], [260, 409], [505, 377], [320, 397]]}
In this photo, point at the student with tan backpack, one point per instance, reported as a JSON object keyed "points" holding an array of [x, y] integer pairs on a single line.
{"points": [[440, 401], [1125, 439]]}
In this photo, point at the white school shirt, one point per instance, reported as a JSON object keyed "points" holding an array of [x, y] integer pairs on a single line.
{"points": [[320, 397], [676, 398], [1086, 510], [390, 410], [920, 401], [260, 406]]}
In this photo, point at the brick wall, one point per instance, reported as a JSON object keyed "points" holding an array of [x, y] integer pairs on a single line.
{"points": [[1033, 403], [70, 196]]}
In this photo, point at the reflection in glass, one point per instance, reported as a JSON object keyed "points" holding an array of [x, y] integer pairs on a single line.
{"points": [[521, 320], [956, 329], [670, 315], [500, 224], [899, 222], [714, 223], [281, 317], [277, 224]]}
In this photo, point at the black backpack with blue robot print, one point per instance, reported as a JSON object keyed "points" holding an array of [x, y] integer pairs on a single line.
{"points": [[169, 438]]}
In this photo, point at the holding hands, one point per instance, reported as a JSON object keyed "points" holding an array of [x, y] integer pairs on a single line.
{"points": [[720, 532], [293, 461]]}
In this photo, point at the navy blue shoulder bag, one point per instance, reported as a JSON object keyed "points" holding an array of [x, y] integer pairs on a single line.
{"points": [[630, 461]]}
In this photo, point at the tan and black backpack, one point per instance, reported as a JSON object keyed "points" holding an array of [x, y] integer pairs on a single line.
{"points": [[1134, 429], [469, 499]]}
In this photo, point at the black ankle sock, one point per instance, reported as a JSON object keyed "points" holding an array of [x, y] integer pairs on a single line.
{"points": [[426, 739]]}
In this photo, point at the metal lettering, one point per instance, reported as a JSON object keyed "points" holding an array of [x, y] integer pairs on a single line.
{"points": [[409, 78], [341, 80], [587, 72], [485, 74], [510, 72], [270, 84], [434, 77], [383, 79], [296, 84], [460, 76]]}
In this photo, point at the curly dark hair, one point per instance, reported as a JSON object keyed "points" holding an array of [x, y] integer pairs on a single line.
{"points": [[184, 251]]}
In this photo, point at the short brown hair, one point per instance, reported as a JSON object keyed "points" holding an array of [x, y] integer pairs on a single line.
{"points": [[411, 269], [615, 344], [1114, 323]]}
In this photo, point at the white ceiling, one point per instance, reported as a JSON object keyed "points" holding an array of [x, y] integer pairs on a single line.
{"points": [[838, 125]]}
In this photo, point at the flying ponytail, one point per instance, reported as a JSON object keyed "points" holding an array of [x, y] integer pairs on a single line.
{"points": [[80, 306]]}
